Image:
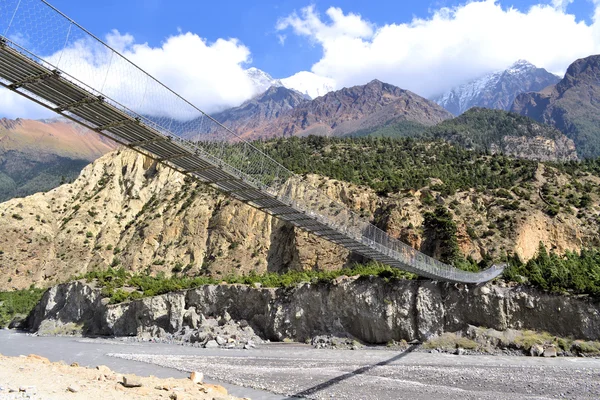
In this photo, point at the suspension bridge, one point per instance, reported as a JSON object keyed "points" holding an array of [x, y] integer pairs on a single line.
{"points": [[51, 60]]}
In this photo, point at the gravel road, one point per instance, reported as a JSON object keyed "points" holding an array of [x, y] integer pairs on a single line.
{"points": [[299, 371]]}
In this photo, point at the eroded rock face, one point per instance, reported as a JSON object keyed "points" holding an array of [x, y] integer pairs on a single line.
{"points": [[125, 210], [368, 309]]}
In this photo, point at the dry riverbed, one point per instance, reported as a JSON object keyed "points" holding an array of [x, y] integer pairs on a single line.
{"points": [[35, 377]]}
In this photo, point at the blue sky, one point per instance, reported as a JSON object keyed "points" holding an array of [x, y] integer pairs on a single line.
{"points": [[253, 23]]}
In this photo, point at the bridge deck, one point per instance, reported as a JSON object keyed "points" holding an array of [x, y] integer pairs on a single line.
{"points": [[23, 74]]}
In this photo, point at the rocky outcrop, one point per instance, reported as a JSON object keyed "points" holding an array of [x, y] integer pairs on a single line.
{"points": [[368, 309], [537, 148]]}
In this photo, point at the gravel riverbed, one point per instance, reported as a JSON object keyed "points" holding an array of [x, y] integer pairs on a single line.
{"points": [[300, 371]]}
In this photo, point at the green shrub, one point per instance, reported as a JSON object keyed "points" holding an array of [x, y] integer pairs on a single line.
{"points": [[18, 302], [577, 273]]}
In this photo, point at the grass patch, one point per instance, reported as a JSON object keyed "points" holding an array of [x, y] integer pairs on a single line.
{"points": [[529, 338], [450, 342]]}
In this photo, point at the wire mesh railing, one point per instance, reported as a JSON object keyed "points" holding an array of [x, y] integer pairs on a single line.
{"points": [[45, 35]]}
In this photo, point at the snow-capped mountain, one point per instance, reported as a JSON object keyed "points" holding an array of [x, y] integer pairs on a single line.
{"points": [[497, 90], [309, 84], [306, 83], [261, 80]]}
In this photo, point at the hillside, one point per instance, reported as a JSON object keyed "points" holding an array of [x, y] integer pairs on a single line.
{"points": [[124, 210], [497, 131], [39, 155], [497, 90], [350, 110], [572, 105]]}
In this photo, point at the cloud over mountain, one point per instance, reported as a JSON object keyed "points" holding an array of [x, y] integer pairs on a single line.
{"points": [[450, 47]]}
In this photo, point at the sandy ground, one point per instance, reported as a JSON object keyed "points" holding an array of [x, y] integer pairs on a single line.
{"points": [[35, 377]]}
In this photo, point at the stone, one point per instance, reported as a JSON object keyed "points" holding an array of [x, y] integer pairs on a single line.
{"points": [[39, 358], [191, 318], [550, 351], [27, 389], [459, 351], [131, 381], [211, 344], [74, 364], [257, 285], [19, 321], [221, 341], [536, 350], [216, 388], [484, 290], [103, 369], [173, 396], [197, 377], [74, 388]]}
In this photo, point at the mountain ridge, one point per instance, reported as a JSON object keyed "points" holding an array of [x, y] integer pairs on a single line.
{"points": [[351, 109], [497, 90], [572, 105]]}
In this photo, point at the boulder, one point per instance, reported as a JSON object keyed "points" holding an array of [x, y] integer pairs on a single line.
{"points": [[197, 377], [74, 388], [131, 381], [536, 350], [191, 318], [550, 351]]}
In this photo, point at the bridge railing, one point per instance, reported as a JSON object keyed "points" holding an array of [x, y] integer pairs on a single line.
{"points": [[46, 35]]}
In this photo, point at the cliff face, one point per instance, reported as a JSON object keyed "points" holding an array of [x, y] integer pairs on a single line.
{"points": [[124, 210], [370, 309]]}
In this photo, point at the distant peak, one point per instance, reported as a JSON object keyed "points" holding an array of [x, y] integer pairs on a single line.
{"points": [[521, 62], [520, 66]]}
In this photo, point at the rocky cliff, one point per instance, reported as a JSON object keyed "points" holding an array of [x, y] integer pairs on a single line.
{"points": [[126, 211], [369, 309]]}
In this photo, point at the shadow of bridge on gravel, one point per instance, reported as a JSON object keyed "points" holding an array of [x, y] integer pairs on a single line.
{"points": [[322, 386]]}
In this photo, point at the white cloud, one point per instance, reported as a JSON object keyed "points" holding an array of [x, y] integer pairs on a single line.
{"points": [[453, 45], [209, 75]]}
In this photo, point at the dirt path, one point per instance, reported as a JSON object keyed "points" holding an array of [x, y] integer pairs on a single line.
{"points": [[35, 377]]}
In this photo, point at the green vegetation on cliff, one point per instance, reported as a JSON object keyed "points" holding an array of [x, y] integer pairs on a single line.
{"points": [[390, 165], [481, 128], [18, 302], [571, 272], [120, 285]]}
